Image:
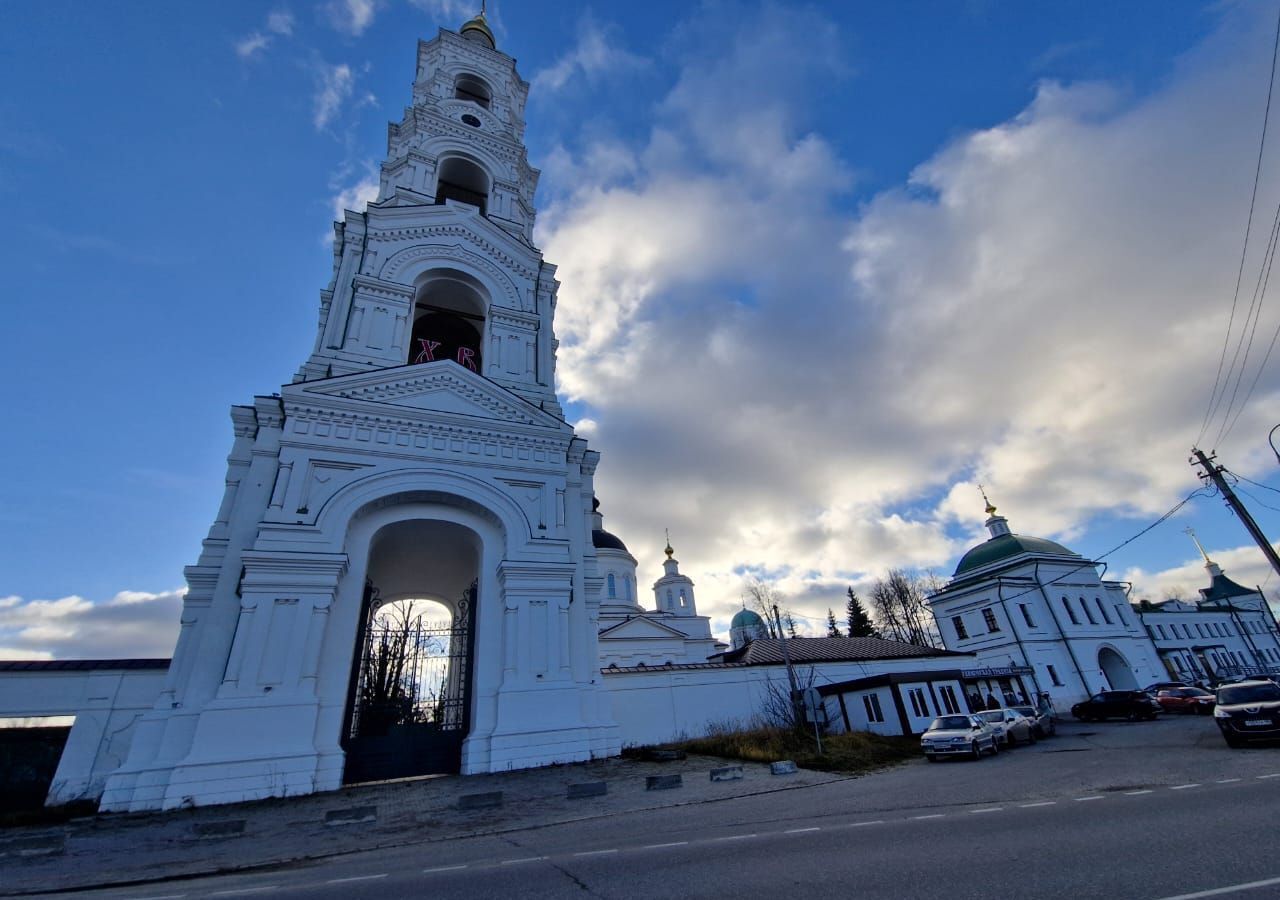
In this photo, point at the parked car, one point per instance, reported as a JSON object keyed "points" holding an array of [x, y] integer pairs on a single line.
{"points": [[1248, 711], [1041, 720], [959, 735], [1011, 726], [1186, 700], [1157, 686], [1131, 705]]}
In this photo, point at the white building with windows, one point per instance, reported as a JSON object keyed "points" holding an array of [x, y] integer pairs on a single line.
{"points": [[1030, 607], [1229, 631]]}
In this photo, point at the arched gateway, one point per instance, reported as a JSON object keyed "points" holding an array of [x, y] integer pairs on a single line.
{"points": [[1116, 668], [401, 577]]}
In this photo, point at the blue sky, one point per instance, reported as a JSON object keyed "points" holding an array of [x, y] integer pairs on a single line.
{"points": [[899, 249]]}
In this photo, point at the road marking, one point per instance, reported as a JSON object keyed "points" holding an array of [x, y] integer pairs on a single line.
{"points": [[252, 890], [661, 846], [934, 816], [443, 869], [1083, 799], [801, 830], [523, 859], [989, 809], [595, 852], [1228, 889], [735, 837], [356, 878], [1034, 805], [1136, 793], [1227, 780], [1183, 787], [860, 824], [1272, 775]]}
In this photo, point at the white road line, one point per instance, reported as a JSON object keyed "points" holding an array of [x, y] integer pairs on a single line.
{"points": [[990, 809], [1272, 775], [252, 890], [523, 859], [735, 837], [871, 822], [1083, 799], [596, 852], [356, 878], [801, 830], [1041, 803], [443, 869], [934, 816], [1227, 889], [1136, 793], [1183, 787], [661, 846], [1227, 780]]}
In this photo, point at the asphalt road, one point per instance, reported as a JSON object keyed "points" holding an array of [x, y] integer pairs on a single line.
{"points": [[1153, 810]]}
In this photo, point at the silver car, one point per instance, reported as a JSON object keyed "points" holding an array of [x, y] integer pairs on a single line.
{"points": [[1011, 726], [959, 735], [1041, 720]]}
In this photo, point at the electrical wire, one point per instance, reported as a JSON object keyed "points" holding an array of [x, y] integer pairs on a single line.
{"points": [[1256, 483], [1254, 497], [1214, 399]]}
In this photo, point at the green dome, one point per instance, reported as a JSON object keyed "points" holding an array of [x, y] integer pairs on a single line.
{"points": [[745, 618], [1007, 546]]}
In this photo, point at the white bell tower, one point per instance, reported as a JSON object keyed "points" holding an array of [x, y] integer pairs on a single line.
{"points": [[418, 460]]}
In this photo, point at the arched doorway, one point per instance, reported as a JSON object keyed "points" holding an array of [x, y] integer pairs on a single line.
{"points": [[409, 700], [1116, 668]]}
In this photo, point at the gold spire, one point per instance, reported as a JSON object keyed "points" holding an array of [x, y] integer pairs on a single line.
{"points": [[991, 510], [668, 550], [1192, 532]]}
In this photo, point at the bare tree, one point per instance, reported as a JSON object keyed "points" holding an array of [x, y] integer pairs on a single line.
{"points": [[900, 607], [765, 598]]}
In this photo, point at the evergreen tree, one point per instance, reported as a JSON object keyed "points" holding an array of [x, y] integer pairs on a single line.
{"points": [[860, 624], [833, 630]]}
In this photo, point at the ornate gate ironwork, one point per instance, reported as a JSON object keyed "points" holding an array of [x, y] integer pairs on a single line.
{"points": [[408, 707]]}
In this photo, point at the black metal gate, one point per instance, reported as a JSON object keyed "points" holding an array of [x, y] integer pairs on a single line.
{"points": [[408, 708]]}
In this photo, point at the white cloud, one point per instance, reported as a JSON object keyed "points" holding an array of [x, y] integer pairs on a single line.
{"points": [[130, 624], [351, 16], [595, 54], [279, 22], [334, 85], [354, 194], [1244, 565], [794, 387]]}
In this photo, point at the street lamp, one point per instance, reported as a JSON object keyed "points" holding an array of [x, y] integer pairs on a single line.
{"points": [[1271, 439]]}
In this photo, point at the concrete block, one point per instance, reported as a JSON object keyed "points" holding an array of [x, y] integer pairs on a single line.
{"points": [[727, 773], [663, 782], [355, 815], [782, 767], [220, 829], [588, 789], [480, 801]]}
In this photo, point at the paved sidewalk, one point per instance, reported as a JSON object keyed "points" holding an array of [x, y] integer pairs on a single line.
{"points": [[117, 850]]}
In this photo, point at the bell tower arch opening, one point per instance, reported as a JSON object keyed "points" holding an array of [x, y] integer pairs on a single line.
{"points": [[409, 701], [448, 319], [463, 180], [474, 88]]}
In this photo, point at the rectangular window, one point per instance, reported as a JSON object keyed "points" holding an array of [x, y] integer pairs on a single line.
{"points": [[1088, 615], [1200, 628], [919, 705], [1026, 615], [1053, 676], [1120, 614], [1160, 628], [990, 618], [949, 701], [958, 623], [1071, 613], [872, 703], [1102, 609]]}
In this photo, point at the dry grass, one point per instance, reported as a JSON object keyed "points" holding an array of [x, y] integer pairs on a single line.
{"points": [[855, 752]]}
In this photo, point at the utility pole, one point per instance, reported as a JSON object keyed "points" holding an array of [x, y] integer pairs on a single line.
{"points": [[1213, 472]]}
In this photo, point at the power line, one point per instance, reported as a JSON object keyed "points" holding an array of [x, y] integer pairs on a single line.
{"points": [[1214, 400], [1255, 483]]}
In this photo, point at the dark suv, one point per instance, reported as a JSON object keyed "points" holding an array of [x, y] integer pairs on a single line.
{"points": [[1248, 711], [1131, 705]]}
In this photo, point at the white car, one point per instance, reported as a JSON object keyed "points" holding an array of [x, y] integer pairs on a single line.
{"points": [[1011, 726], [959, 735]]}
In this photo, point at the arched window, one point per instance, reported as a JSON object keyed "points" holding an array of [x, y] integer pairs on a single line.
{"points": [[448, 319], [470, 87], [613, 587], [626, 587], [462, 180], [670, 598], [684, 601]]}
